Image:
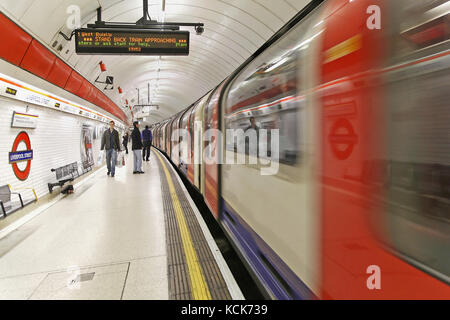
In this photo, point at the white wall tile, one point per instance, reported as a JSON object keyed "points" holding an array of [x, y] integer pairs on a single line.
{"points": [[55, 142]]}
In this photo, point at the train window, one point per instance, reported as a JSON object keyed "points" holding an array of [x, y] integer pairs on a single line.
{"points": [[212, 122], [184, 140], [184, 121], [418, 123], [267, 97], [267, 92], [419, 25]]}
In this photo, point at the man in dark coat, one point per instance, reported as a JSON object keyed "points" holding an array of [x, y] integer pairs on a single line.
{"points": [[136, 146], [111, 143], [147, 140]]}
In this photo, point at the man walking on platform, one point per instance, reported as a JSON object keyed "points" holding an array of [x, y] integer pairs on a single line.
{"points": [[147, 139], [136, 146], [111, 143]]}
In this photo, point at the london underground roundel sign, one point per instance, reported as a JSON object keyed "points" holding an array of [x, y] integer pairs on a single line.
{"points": [[16, 156], [342, 139]]}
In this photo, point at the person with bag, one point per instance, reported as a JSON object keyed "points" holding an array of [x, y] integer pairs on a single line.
{"points": [[136, 146], [126, 138], [111, 143]]}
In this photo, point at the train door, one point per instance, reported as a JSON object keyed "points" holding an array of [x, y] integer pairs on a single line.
{"points": [[163, 136], [184, 141], [198, 143], [350, 114], [380, 232], [191, 164], [417, 152], [175, 139], [212, 152], [155, 135], [168, 136], [158, 137]]}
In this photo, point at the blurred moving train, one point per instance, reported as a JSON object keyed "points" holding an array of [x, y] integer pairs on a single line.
{"points": [[360, 206]]}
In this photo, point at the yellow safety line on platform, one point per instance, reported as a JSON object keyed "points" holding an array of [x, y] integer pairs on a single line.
{"points": [[200, 290]]}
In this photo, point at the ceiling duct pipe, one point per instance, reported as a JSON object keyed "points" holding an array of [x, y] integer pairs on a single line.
{"points": [[145, 9]]}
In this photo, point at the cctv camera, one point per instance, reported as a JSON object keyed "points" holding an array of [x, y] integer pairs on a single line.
{"points": [[199, 30]]}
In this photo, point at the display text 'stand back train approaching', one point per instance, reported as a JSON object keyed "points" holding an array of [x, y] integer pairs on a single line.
{"points": [[359, 204]]}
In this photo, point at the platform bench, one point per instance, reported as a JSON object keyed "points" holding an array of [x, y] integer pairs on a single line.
{"points": [[7, 205], [64, 174], [68, 173]]}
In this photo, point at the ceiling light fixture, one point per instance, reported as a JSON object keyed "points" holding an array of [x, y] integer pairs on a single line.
{"points": [[102, 66]]}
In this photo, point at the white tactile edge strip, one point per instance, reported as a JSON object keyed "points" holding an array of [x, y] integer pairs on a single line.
{"points": [[235, 291], [33, 214]]}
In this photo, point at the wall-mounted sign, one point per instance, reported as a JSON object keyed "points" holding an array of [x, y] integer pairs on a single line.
{"points": [[16, 156], [18, 90], [139, 42], [11, 91], [23, 120], [20, 156], [342, 138]]}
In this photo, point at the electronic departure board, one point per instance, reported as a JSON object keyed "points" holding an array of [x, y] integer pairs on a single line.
{"points": [[139, 42]]}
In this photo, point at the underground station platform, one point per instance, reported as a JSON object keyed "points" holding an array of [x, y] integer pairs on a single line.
{"points": [[230, 158], [127, 237]]}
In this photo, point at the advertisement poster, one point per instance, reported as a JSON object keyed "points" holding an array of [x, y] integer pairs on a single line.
{"points": [[87, 156], [101, 155]]}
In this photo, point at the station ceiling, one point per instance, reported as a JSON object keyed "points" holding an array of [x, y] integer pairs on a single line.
{"points": [[234, 30]]}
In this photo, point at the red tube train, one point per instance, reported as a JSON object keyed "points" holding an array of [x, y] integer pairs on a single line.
{"points": [[359, 206]]}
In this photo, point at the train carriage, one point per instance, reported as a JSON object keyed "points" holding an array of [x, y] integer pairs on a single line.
{"points": [[349, 197]]}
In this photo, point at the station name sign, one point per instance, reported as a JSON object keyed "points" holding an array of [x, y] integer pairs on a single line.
{"points": [[23, 120], [126, 42], [20, 156]]}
